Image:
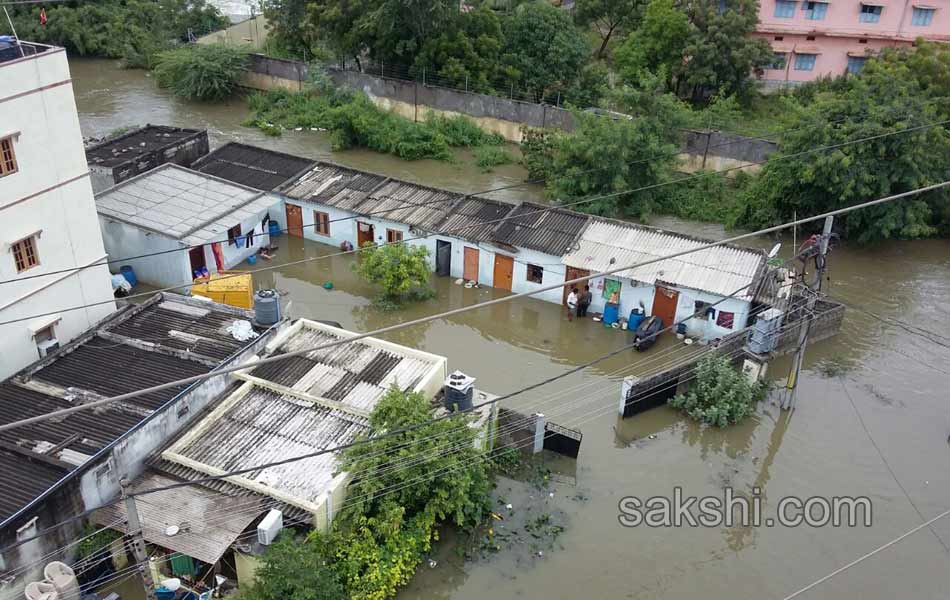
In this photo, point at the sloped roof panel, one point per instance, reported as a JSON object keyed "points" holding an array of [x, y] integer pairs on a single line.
{"points": [[542, 228]]}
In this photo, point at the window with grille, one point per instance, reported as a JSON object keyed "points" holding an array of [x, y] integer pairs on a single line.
{"points": [[25, 255], [815, 11], [321, 222], [7, 157], [856, 63], [535, 274], [870, 14], [922, 17], [778, 61], [393, 236], [784, 9], [233, 234], [805, 62]]}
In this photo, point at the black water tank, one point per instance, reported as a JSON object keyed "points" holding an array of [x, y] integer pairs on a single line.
{"points": [[458, 391]]}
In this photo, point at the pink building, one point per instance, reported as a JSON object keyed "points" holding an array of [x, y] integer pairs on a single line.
{"points": [[812, 39]]}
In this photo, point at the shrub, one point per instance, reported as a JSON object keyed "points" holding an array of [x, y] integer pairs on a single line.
{"points": [[721, 395], [401, 271], [488, 157], [201, 72]]}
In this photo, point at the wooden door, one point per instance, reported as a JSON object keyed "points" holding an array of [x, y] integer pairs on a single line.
{"points": [[294, 220], [504, 269], [470, 265], [664, 304], [573, 273], [364, 233]]}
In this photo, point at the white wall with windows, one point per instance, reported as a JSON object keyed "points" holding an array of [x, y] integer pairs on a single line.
{"points": [[48, 214]]}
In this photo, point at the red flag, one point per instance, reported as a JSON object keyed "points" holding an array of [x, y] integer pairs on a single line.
{"points": [[42, 16]]}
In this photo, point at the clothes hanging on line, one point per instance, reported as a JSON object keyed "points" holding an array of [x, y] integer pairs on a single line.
{"points": [[249, 239], [218, 255]]}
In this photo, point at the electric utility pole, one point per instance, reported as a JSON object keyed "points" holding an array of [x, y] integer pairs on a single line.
{"points": [[813, 290], [138, 541]]}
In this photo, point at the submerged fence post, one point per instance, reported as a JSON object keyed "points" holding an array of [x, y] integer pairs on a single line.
{"points": [[539, 422]]}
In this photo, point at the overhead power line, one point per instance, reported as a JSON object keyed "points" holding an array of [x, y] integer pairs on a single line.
{"points": [[525, 214], [464, 309]]}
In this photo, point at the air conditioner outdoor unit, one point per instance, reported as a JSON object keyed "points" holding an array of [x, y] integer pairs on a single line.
{"points": [[47, 346], [269, 527]]}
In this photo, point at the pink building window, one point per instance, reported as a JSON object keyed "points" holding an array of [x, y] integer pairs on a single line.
{"points": [[922, 16], [870, 13]]}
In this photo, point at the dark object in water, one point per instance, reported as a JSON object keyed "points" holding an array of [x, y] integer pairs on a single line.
{"points": [[647, 332]]}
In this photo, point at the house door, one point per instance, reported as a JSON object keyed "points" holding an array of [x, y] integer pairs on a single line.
{"points": [[664, 304], [443, 258], [197, 258], [294, 220], [364, 233], [504, 268], [470, 266], [569, 274]]}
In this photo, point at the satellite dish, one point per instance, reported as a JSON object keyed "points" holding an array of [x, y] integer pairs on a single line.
{"points": [[774, 251]]}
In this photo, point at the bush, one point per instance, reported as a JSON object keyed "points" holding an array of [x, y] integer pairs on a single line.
{"points": [[721, 395], [401, 271], [201, 72], [488, 157]]}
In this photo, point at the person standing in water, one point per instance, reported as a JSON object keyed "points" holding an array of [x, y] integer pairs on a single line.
{"points": [[572, 304], [583, 301]]}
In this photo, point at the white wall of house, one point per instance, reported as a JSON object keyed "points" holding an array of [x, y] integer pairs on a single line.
{"points": [[48, 198], [553, 273], [234, 254], [163, 270], [340, 230]]}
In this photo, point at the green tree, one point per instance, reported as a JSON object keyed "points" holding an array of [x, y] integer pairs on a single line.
{"points": [[201, 71], [288, 28], [657, 45], [722, 55], [291, 570], [720, 395], [466, 55], [878, 102], [400, 270], [544, 47], [607, 17]]}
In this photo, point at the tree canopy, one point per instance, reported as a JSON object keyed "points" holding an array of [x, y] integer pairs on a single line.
{"points": [[607, 17], [400, 270]]}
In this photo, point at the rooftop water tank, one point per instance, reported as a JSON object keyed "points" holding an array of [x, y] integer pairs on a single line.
{"points": [[266, 307], [458, 391]]}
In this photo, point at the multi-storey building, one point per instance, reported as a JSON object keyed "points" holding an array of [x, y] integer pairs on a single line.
{"points": [[48, 215], [813, 39]]}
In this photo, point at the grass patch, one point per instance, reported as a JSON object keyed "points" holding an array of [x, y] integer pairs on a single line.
{"points": [[489, 157]]}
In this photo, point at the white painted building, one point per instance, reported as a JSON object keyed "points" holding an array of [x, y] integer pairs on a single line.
{"points": [[673, 289], [47, 210], [197, 221]]}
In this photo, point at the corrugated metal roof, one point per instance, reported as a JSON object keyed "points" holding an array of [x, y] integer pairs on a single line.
{"points": [[720, 270], [540, 228], [183, 204], [252, 166], [264, 426], [475, 219], [22, 481], [130, 146], [106, 367], [208, 522], [334, 185], [414, 205]]}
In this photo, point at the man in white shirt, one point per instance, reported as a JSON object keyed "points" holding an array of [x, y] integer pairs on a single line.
{"points": [[572, 304]]}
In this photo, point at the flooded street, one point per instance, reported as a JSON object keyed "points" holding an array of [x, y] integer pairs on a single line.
{"points": [[873, 413]]}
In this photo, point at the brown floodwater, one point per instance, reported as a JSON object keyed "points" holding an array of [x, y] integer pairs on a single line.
{"points": [[873, 414]]}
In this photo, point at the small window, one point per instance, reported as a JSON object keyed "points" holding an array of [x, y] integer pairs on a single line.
{"points": [[856, 63], [535, 273], [870, 14], [233, 234], [726, 319], [393, 236], [702, 310], [25, 255], [810, 38], [321, 222], [815, 11], [778, 61], [784, 9], [779, 38], [805, 62], [862, 40], [922, 17], [7, 157], [44, 335]]}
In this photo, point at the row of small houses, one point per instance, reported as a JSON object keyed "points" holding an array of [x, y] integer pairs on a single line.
{"points": [[220, 209]]}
